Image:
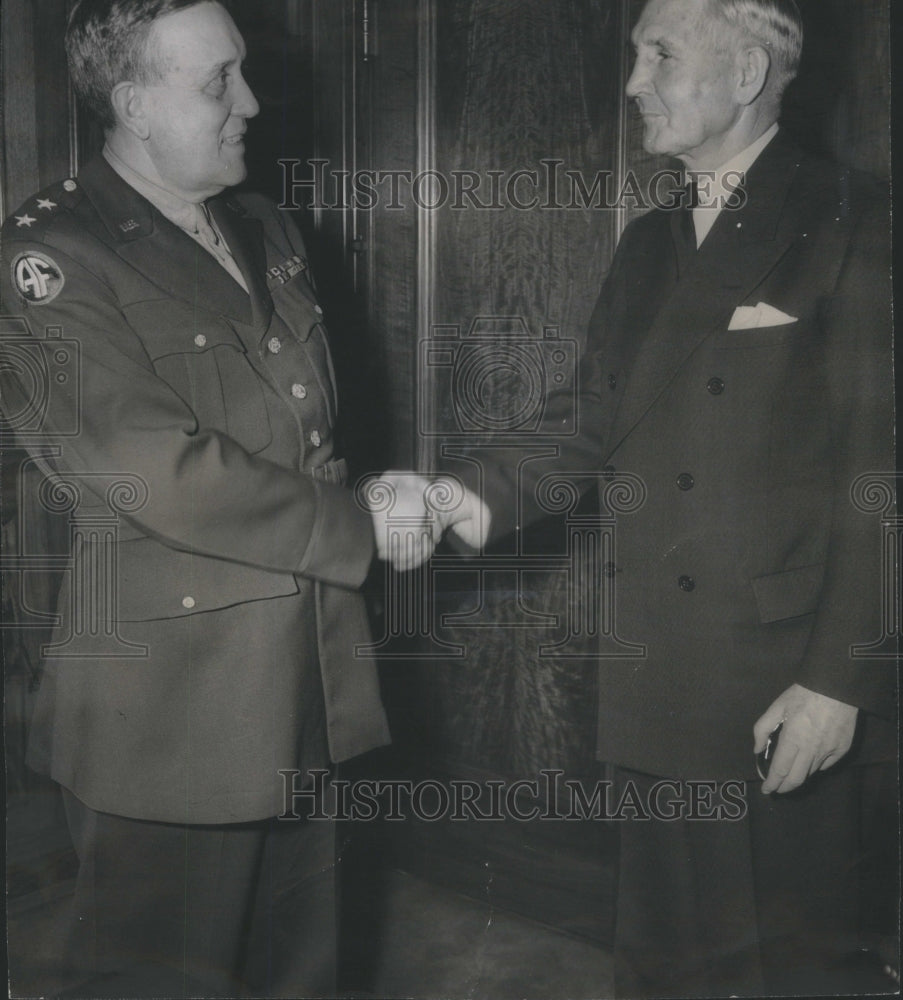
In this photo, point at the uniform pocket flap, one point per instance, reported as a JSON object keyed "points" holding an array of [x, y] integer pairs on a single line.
{"points": [[159, 582], [789, 594], [170, 327]]}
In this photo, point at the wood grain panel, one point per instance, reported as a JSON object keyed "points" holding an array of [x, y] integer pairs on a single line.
{"points": [[517, 84]]}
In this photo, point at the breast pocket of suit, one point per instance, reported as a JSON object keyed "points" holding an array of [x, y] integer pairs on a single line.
{"points": [[764, 326], [203, 360]]}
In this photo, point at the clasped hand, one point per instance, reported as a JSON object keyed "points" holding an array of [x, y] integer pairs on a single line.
{"points": [[411, 514]]}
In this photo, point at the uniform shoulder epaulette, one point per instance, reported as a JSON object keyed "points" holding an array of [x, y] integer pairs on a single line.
{"points": [[36, 213], [36, 275]]}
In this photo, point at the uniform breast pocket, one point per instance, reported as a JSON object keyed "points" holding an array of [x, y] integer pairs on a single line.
{"points": [[202, 359]]}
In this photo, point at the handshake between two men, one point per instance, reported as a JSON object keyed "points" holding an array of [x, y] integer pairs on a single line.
{"points": [[411, 513]]}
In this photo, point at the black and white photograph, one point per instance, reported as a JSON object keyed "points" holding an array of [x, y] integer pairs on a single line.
{"points": [[448, 475]]}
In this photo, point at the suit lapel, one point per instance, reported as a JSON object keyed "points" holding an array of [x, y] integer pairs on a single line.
{"points": [[161, 251], [741, 249]]}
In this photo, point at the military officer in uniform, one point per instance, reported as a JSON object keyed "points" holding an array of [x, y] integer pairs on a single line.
{"points": [[739, 363], [204, 382]]}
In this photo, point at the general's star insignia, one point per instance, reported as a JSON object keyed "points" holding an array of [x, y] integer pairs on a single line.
{"points": [[46, 203], [25, 220]]}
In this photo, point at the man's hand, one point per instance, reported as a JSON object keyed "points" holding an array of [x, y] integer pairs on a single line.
{"points": [[411, 513], [461, 512], [405, 528], [817, 732]]}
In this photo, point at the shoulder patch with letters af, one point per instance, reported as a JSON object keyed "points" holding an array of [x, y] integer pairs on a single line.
{"points": [[37, 277]]}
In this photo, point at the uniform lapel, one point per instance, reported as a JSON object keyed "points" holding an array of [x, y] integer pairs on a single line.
{"points": [[742, 248], [244, 236], [164, 254]]}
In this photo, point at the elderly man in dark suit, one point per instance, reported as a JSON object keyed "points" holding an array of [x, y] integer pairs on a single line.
{"points": [[204, 383], [739, 363]]}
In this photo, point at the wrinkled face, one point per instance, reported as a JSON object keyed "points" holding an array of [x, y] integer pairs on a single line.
{"points": [[197, 114], [681, 82]]}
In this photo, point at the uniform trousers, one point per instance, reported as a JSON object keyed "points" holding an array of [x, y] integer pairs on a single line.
{"points": [[171, 910], [759, 905]]}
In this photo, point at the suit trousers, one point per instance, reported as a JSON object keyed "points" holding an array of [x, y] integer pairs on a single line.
{"points": [[172, 910], [758, 905]]}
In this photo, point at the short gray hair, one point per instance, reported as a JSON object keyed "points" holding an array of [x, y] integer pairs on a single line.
{"points": [[776, 25], [107, 43]]}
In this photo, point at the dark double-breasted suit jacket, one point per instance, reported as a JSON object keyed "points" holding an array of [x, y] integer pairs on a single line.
{"points": [[748, 568], [238, 569]]}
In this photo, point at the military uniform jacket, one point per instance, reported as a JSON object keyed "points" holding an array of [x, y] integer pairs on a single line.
{"points": [[748, 568], [237, 548]]}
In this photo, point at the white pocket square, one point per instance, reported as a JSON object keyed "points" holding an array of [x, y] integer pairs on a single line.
{"points": [[753, 317]]}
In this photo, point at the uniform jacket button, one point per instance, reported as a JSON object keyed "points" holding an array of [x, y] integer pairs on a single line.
{"points": [[274, 346], [299, 391], [685, 481], [315, 439], [318, 310], [687, 584], [715, 386], [200, 340], [188, 603]]}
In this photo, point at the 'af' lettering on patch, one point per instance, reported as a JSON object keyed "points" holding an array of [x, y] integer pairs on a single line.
{"points": [[37, 278]]}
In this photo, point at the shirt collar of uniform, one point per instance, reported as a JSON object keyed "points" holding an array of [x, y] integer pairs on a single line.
{"points": [[182, 213]]}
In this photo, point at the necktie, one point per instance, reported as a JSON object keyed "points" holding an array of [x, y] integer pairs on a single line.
{"points": [[690, 201], [206, 232], [204, 227]]}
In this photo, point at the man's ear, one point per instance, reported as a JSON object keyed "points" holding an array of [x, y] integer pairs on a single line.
{"points": [[129, 104], [753, 67]]}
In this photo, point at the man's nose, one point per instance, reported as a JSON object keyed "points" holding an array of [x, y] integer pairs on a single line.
{"points": [[245, 104], [639, 80]]}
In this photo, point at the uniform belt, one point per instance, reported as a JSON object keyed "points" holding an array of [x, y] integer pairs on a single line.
{"points": [[333, 471]]}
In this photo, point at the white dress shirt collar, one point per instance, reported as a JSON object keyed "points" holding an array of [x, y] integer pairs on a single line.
{"points": [[715, 187]]}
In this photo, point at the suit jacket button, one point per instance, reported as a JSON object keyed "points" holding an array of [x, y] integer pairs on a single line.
{"points": [[612, 381], [188, 603], [715, 386], [687, 584], [685, 481]]}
